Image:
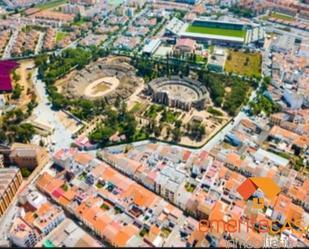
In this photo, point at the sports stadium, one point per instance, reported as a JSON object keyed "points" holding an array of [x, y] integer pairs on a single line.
{"points": [[217, 32], [181, 93]]}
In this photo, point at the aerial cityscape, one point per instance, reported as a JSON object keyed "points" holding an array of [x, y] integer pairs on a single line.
{"points": [[154, 123]]}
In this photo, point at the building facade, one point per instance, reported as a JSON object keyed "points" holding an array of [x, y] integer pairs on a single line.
{"points": [[28, 156], [10, 181]]}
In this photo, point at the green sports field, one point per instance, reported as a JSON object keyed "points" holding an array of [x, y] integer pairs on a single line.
{"points": [[216, 31], [282, 16], [51, 4]]}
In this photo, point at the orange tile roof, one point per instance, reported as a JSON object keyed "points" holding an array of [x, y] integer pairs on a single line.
{"points": [[234, 159], [43, 209], [276, 130], [126, 233], [302, 141], [54, 184], [111, 231], [223, 171], [197, 236], [240, 203], [294, 213], [29, 217], [63, 201], [161, 217], [83, 158], [97, 218], [44, 180], [230, 184], [108, 173], [120, 239], [98, 170], [216, 212], [247, 123], [140, 195], [306, 184], [271, 173], [70, 194], [235, 175], [297, 192], [154, 230], [186, 154], [87, 204], [152, 146], [121, 182], [282, 203]]}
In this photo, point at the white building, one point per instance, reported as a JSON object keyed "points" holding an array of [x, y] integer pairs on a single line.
{"points": [[53, 216], [22, 235], [151, 47], [34, 198]]}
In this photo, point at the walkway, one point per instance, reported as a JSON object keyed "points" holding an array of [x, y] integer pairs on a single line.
{"points": [[61, 137]]}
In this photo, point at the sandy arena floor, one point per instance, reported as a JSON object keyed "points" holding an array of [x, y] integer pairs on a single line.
{"points": [[102, 87]]}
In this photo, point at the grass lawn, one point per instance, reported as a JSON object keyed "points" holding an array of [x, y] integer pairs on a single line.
{"points": [[140, 135], [83, 176], [211, 48], [216, 31], [143, 232], [60, 36], [201, 59], [248, 64], [99, 185], [80, 22], [105, 206], [165, 232], [65, 187], [136, 108], [153, 111], [281, 16], [190, 187], [171, 117], [214, 111], [51, 4]]}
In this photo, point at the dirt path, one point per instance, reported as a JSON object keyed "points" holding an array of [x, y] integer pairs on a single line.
{"points": [[25, 71]]}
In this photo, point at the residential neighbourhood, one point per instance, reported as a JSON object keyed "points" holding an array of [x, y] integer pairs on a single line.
{"points": [[171, 123]]}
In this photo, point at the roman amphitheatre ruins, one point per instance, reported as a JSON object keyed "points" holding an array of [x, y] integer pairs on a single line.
{"points": [[107, 78], [182, 93]]}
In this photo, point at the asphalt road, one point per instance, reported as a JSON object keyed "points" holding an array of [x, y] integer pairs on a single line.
{"points": [[7, 51]]}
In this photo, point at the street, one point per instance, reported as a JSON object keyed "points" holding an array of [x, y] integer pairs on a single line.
{"points": [[7, 51], [39, 44], [61, 137]]}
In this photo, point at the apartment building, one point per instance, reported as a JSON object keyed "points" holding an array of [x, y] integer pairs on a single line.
{"points": [[48, 217], [22, 234], [10, 181]]}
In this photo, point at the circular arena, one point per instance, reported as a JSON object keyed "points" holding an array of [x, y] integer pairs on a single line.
{"points": [[107, 79], [182, 93]]}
